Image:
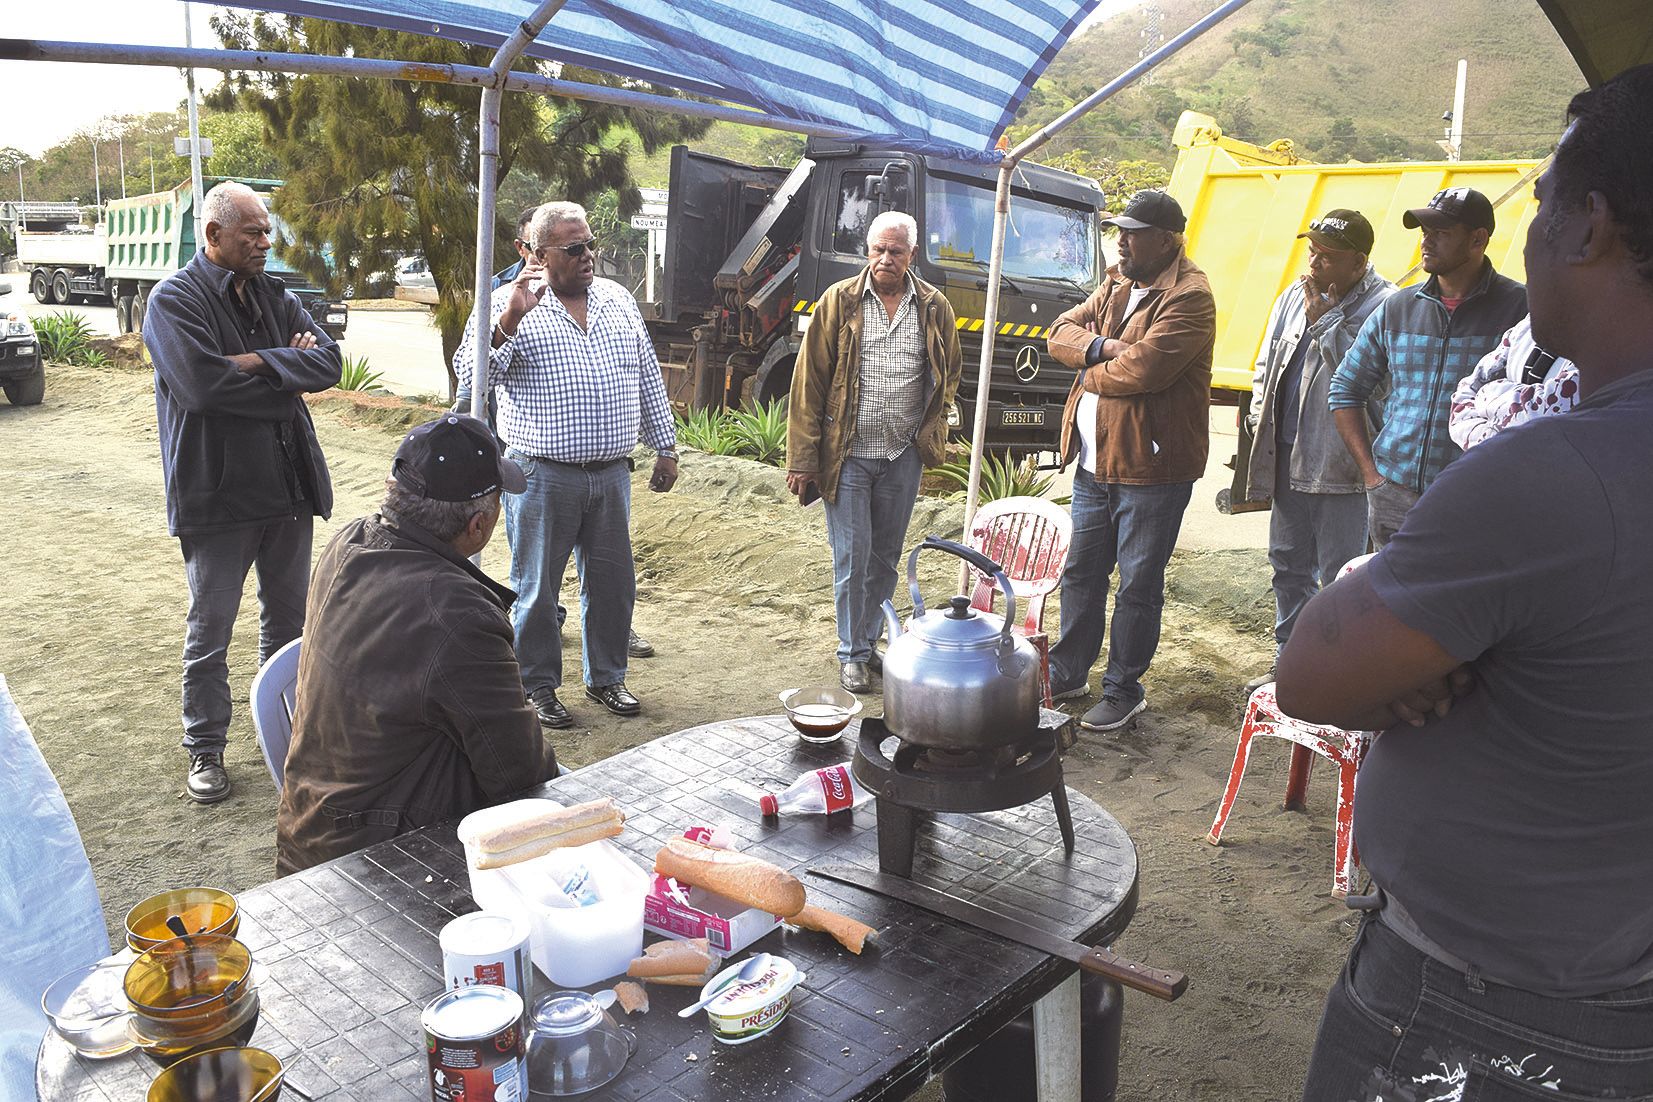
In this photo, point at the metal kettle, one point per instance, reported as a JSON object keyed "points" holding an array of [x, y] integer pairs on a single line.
{"points": [[958, 679]]}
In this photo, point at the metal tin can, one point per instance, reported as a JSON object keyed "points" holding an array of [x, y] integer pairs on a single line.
{"points": [[487, 947], [476, 1045]]}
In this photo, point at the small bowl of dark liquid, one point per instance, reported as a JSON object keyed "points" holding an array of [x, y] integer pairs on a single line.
{"points": [[821, 713]]}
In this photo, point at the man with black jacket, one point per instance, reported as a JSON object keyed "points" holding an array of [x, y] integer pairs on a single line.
{"points": [[410, 707], [234, 354]]}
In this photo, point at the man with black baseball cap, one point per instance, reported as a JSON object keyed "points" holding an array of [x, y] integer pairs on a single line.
{"points": [[1136, 422], [1417, 347], [410, 706], [1299, 462]]}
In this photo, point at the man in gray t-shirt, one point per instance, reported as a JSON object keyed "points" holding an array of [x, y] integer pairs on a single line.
{"points": [[1506, 819]]}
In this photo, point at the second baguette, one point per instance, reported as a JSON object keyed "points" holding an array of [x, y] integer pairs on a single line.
{"points": [[538, 847], [749, 880]]}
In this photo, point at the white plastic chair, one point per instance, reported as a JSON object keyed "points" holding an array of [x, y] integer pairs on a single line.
{"points": [[274, 695], [1029, 537]]}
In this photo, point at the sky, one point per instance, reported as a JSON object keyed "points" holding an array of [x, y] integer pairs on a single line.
{"points": [[41, 103]]}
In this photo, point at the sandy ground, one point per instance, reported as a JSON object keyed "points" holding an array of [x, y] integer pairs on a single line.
{"points": [[736, 593]]}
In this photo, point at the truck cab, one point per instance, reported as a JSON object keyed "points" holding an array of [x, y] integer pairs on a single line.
{"points": [[749, 251]]}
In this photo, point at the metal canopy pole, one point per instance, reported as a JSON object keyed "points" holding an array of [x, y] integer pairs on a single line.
{"points": [[1001, 214], [175, 57], [487, 187]]}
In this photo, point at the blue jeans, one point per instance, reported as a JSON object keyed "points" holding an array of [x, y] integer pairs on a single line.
{"points": [[1402, 1027], [867, 526], [1134, 528], [216, 565], [567, 509], [1310, 537]]}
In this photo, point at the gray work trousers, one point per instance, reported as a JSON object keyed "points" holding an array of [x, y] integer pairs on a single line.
{"points": [[216, 565], [1310, 538]]}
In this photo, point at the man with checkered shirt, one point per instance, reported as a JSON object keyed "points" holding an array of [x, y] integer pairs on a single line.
{"points": [[1416, 347], [576, 378]]}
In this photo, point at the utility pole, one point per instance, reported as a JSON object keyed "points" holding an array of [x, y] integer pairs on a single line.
{"points": [[1454, 119], [120, 147], [97, 173], [194, 141], [151, 144]]}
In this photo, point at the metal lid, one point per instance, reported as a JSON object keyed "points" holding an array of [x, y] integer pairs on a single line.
{"points": [[470, 1013], [959, 626]]}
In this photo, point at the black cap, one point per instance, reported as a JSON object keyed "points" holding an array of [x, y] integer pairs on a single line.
{"points": [[454, 458], [1342, 229], [1455, 206], [1150, 207]]}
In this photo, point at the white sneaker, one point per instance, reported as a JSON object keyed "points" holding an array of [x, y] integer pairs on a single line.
{"points": [[1074, 693], [1111, 714]]}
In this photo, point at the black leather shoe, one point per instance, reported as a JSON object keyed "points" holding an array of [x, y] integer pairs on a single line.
{"points": [[616, 698], [207, 782], [638, 647], [550, 709]]}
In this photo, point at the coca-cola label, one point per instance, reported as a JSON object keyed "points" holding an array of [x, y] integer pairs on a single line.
{"points": [[836, 786]]}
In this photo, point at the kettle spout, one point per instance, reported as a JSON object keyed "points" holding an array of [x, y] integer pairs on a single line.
{"points": [[892, 621]]}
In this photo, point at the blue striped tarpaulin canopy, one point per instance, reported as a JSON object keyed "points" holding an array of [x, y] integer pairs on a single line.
{"points": [[934, 75]]}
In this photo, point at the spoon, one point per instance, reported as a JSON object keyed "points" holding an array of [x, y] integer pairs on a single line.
{"points": [[748, 971]]}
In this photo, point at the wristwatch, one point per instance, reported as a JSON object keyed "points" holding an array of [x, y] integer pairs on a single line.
{"points": [[667, 453], [500, 332]]}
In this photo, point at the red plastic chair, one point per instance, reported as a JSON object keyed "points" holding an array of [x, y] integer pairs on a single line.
{"points": [[1028, 537], [1345, 749]]}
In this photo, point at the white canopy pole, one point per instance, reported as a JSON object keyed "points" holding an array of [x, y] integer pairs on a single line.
{"points": [[1001, 214]]}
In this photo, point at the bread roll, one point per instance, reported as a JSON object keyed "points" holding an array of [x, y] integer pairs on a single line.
{"points": [[749, 880], [676, 963], [632, 997], [538, 847], [547, 823], [851, 934]]}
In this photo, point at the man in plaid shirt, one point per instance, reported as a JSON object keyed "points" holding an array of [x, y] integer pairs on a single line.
{"points": [[576, 377], [1416, 346]]}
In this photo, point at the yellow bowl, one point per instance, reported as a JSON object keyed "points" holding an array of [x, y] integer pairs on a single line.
{"points": [[203, 911], [220, 1075]]}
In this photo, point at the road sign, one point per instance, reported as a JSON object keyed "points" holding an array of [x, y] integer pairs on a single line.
{"points": [[648, 222], [180, 147]]}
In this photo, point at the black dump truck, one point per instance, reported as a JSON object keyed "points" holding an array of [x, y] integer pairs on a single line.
{"points": [[750, 249]]}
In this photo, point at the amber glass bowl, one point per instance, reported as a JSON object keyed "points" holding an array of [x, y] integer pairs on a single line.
{"points": [[220, 1075], [203, 911], [190, 994]]}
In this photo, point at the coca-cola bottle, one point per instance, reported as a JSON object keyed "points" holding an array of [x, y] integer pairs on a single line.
{"points": [[823, 790]]}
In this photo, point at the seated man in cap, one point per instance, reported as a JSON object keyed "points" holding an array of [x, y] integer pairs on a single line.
{"points": [[410, 706], [1417, 345], [1136, 420]]}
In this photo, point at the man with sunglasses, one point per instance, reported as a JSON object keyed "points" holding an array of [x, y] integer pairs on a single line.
{"points": [[1299, 462], [576, 378]]}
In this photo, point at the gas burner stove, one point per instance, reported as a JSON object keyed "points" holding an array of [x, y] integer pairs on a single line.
{"points": [[911, 780]]}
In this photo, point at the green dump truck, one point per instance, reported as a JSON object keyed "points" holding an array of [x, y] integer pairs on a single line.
{"points": [[141, 241]]}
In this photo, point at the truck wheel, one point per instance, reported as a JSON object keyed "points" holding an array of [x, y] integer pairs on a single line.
{"points": [[776, 386], [60, 287], [140, 307], [123, 313], [41, 286], [30, 389]]}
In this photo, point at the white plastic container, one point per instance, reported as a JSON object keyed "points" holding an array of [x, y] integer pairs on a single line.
{"points": [[575, 946]]}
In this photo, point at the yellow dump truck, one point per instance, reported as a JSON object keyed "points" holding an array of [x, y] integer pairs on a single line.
{"points": [[1246, 204]]}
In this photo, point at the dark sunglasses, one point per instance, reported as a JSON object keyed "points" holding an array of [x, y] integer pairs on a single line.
{"points": [[576, 250]]}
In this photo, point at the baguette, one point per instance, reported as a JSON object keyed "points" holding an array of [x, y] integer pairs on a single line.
{"points": [[749, 880], [851, 934], [632, 997], [538, 847], [547, 823], [676, 963]]}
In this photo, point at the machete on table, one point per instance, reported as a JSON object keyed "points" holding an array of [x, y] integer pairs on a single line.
{"points": [[1159, 982]]}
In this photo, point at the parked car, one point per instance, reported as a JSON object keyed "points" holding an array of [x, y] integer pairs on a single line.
{"points": [[22, 368], [413, 271]]}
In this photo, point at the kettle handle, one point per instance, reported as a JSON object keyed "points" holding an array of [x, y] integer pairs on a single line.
{"points": [[974, 558]]}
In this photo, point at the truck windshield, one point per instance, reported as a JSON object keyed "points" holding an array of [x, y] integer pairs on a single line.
{"points": [[1042, 240]]}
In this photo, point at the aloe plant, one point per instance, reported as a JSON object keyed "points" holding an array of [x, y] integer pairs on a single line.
{"points": [[357, 375], [1001, 477], [761, 433], [65, 337], [708, 430]]}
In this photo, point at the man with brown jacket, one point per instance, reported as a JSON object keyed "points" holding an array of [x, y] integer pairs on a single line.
{"points": [[878, 369], [410, 706], [1136, 421]]}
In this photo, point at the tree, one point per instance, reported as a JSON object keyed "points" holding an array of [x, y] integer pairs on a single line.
{"points": [[377, 169], [1119, 180]]}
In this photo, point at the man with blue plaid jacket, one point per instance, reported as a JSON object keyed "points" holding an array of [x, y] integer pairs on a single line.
{"points": [[575, 373], [1416, 346]]}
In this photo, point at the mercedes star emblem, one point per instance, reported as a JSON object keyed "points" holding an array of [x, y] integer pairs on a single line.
{"points": [[1027, 363]]}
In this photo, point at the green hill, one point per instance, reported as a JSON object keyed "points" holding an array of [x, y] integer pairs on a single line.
{"points": [[1342, 78]]}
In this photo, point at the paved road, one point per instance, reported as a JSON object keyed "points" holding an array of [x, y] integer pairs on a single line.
{"points": [[403, 344]]}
